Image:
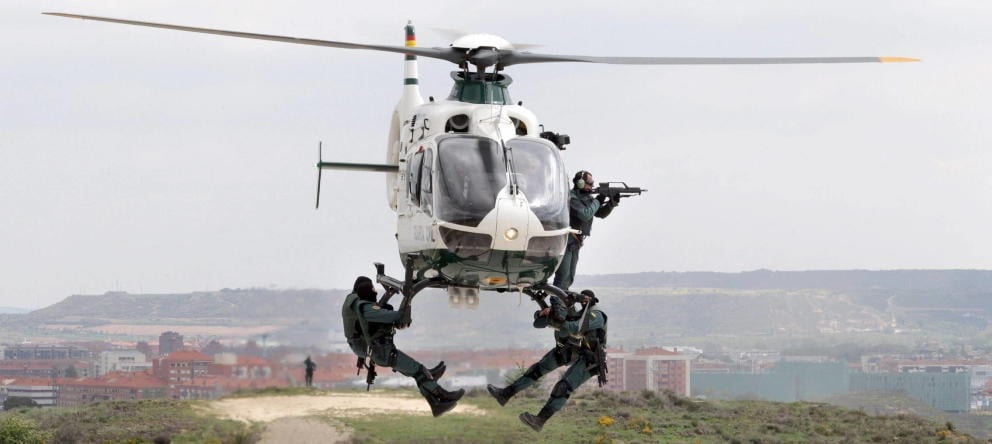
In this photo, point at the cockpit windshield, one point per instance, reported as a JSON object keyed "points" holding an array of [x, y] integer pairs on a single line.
{"points": [[541, 177], [471, 172]]}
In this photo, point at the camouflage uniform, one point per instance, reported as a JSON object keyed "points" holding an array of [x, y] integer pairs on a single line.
{"points": [[582, 207]]}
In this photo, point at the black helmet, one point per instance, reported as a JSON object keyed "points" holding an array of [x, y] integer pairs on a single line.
{"points": [[592, 296], [360, 280], [364, 288]]}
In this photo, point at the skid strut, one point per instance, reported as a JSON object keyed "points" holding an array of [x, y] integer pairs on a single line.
{"points": [[539, 292], [407, 287]]}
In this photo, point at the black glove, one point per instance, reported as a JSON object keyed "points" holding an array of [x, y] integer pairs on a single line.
{"points": [[540, 321], [601, 198]]}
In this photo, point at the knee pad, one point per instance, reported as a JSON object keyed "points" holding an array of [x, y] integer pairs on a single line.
{"points": [[562, 390]]}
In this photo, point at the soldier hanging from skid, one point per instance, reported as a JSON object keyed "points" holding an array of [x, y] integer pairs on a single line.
{"points": [[580, 343], [369, 328]]}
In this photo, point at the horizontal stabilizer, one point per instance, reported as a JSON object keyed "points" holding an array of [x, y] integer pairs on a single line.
{"points": [[375, 167]]}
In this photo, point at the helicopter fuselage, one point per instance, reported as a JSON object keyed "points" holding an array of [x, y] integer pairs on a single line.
{"points": [[481, 200]]}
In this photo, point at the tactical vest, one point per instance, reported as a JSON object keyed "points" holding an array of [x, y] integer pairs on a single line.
{"points": [[355, 327], [591, 339]]}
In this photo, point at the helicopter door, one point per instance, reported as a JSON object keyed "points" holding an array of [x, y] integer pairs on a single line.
{"points": [[426, 183], [413, 177]]}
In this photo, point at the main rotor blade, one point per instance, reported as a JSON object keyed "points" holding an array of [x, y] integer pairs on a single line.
{"points": [[518, 58], [502, 58], [435, 53]]}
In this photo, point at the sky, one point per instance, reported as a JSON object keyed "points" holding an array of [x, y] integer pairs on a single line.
{"points": [[149, 161]]}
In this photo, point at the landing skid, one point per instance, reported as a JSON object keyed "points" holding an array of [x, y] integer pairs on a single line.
{"points": [[408, 288]]}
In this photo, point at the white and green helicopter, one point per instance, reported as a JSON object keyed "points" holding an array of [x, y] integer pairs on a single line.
{"points": [[479, 189]]}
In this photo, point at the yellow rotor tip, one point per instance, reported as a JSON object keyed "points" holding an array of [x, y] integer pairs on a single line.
{"points": [[897, 59]]}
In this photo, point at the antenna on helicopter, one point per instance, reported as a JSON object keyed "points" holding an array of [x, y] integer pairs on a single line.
{"points": [[320, 160]]}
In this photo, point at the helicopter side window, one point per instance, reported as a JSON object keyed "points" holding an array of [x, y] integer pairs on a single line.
{"points": [[426, 182], [413, 178], [519, 126], [470, 173], [541, 176]]}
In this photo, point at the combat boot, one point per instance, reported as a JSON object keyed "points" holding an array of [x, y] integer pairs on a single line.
{"points": [[438, 371], [535, 422], [441, 400], [502, 395]]}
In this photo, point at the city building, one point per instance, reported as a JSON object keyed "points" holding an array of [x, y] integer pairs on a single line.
{"points": [[655, 369], [38, 352], [117, 386], [43, 391], [169, 342], [182, 366], [241, 367], [132, 361]]}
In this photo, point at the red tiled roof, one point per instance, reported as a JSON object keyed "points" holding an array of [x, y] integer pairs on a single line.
{"points": [[21, 382], [252, 361]]}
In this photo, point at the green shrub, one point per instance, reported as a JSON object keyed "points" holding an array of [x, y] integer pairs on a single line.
{"points": [[15, 430]]}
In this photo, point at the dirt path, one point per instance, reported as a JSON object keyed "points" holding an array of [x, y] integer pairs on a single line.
{"points": [[309, 418], [304, 431]]}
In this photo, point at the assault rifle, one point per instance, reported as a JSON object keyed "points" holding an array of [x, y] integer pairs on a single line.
{"points": [[616, 190], [370, 366]]}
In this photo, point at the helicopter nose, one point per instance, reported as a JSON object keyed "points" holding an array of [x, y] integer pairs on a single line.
{"points": [[512, 215]]}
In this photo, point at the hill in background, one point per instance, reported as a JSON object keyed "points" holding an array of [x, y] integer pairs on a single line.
{"points": [[654, 308]]}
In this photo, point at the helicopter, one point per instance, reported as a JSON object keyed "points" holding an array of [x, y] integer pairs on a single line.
{"points": [[479, 189]]}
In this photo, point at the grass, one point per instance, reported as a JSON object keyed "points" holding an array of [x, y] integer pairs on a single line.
{"points": [[133, 422], [602, 417], [590, 416]]}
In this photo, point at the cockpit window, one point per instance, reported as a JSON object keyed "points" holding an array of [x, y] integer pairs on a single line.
{"points": [[471, 171], [541, 177]]}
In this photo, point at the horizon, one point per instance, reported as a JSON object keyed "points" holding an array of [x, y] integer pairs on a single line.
{"points": [[579, 280]]}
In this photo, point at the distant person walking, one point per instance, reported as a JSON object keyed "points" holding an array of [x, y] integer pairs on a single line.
{"points": [[310, 367]]}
